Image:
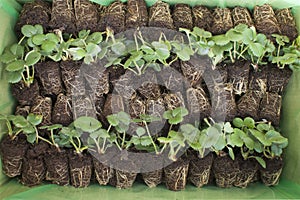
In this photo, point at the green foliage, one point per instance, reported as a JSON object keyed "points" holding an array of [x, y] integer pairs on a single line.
{"points": [[176, 115], [257, 138]]}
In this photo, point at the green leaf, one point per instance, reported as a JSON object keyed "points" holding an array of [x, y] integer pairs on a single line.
{"points": [[88, 59], [212, 136], [241, 28], [261, 137], [29, 129], [235, 139], [112, 120], [34, 119], [140, 131], [147, 49], [119, 48], [175, 120], [249, 143], [164, 140], [87, 124], [146, 141], [52, 127], [31, 138], [249, 122], [248, 36], [238, 122], [189, 132], [221, 40], [52, 37], [14, 77], [231, 154], [95, 38], [167, 114], [28, 30], [180, 111], [124, 117], [48, 46], [39, 29], [83, 34], [261, 161], [234, 36], [201, 32], [7, 57], [155, 66], [17, 65], [20, 121], [32, 58], [228, 128], [78, 43], [93, 49], [220, 144], [185, 54], [39, 39], [263, 127], [17, 50], [256, 48], [77, 53]]}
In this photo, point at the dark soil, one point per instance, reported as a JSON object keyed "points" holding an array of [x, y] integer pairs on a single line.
{"points": [[200, 170], [48, 74], [154, 178], [43, 106], [287, 23], [278, 79], [182, 16], [137, 14], [160, 15], [149, 89], [173, 101], [152, 170], [23, 94], [114, 17], [86, 15], [271, 174], [126, 85], [216, 77], [225, 171], [99, 106], [176, 175], [22, 110], [62, 113], [247, 171], [222, 21], [202, 17], [113, 104], [248, 104], [37, 12], [62, 16], [83, 106], [33, 169], [137, 107], [265, 20], [114, 74], [56, 162], [80, 166], [258, 80], [238, 75], [198, 104], [73, 82], [171, 78], [270, 108], [12, 153], [102, 171], [97, 80], [241, 15], [193, 73], [223, 103], [124, 175]]}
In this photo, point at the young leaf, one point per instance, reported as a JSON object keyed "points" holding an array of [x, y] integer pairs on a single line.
{"points": [[112, 120], [28, 30], [77, 53], [14, 77], [95, 38], [48, 46], [14, 66], [19, 121], [256, 48], [32, 58], [249, 122], [93, 49], [261, 161], [31, 138], [87, 124], [34, 119], [119, 48], [238, 122], [17, 50], [39, 39], [221, 40], [83, 34], [140, 131]]}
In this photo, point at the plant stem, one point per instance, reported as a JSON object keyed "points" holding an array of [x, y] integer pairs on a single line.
{"points": [[123, 139], [21, 40], [149, 134]]}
